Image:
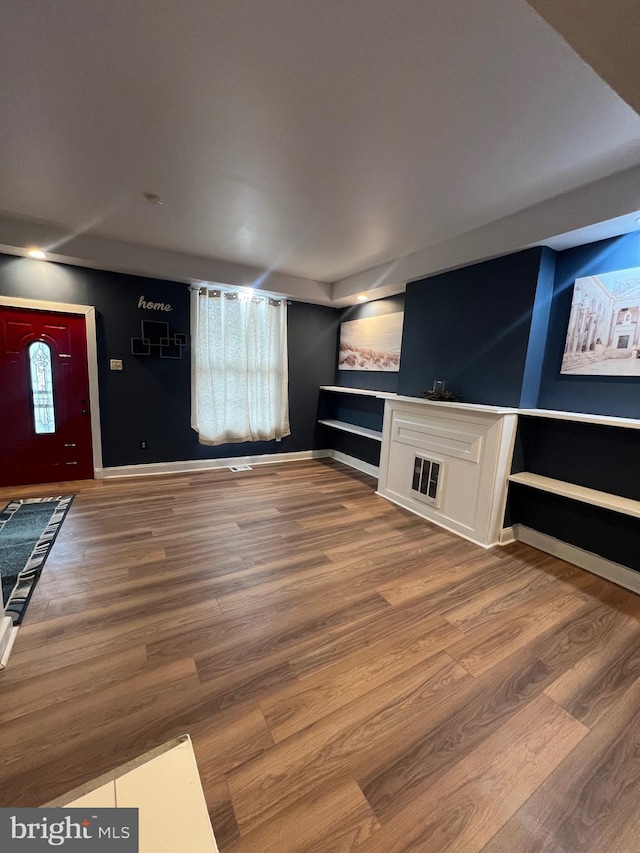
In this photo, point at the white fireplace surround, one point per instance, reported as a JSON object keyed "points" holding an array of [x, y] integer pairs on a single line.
{"points": [[473, 445]]}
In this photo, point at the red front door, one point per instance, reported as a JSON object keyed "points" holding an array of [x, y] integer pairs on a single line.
{"points": [[45, 426]]}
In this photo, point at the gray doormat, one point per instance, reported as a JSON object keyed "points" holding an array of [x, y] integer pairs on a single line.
{"points": [[28, 529]]}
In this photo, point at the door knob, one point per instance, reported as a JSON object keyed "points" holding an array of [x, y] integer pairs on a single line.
{"points": [[85, 406]]}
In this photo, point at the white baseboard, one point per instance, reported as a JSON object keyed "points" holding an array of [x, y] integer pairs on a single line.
{"points": [[507, 536], [188, 465], [6, 624], [585, 559], [7, 639], [353, 462]]}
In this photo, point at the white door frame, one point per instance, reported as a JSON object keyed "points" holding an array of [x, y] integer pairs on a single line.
{"points": [[92, 361]]}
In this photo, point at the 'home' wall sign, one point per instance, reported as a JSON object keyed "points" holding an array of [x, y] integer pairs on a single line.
{"points": [[154, 306]]}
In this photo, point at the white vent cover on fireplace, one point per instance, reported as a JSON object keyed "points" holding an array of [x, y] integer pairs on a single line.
{"points": [[427, 479]]}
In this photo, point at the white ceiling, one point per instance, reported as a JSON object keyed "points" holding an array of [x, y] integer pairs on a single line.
{"points": [[307, 137], [606, 33]]}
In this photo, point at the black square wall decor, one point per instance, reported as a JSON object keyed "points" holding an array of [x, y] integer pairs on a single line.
{"points": [[156, 339]]}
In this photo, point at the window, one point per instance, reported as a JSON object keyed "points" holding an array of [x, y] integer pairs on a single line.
{"points": [[239, 367], [44, 418]]}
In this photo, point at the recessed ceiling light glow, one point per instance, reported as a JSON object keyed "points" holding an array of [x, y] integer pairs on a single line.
{"points": [[361, 297], [37, 253]]}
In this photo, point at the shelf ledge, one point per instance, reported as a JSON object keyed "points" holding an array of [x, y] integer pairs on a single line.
{"points": [[440, 404], [374, 434], [579, 417], [360, 392], [604, 500]]}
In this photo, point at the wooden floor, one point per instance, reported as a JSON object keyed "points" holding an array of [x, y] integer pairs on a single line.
{"points": [[352, 677]]}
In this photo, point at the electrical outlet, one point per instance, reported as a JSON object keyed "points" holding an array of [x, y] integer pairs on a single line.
{"points": [[143, 445]]}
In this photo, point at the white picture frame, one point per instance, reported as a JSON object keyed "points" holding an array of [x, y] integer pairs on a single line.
{"points": [[603, 332]]}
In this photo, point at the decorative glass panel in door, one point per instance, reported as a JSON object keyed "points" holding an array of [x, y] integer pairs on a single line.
{"points": [[44, 417]]}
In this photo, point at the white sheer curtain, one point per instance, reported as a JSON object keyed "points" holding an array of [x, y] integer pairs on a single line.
{"points": [[239, 371]]}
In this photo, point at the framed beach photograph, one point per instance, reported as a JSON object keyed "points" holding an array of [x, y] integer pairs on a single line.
{"points": [[603, 334], [372, 343]]}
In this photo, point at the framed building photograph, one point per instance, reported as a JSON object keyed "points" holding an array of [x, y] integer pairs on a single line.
{"points": [[372, 343], [603, 334]]}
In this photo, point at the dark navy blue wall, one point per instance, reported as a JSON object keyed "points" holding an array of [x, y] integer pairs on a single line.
{"points": [[361, 448], [610, 395], [151, 398], [355, 409], [372, 380], [532, 376], [489, 330], [470, 327]]}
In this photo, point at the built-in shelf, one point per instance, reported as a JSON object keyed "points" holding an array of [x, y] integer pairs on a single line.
{"points": [[626, 506], [360, 392], [579, 417], [375, 434]]}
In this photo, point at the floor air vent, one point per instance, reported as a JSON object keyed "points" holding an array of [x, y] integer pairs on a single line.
{"points": [[427, 480], [240, 468]]}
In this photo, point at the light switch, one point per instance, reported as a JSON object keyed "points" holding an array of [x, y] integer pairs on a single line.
{"points": [[116, 364]]}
